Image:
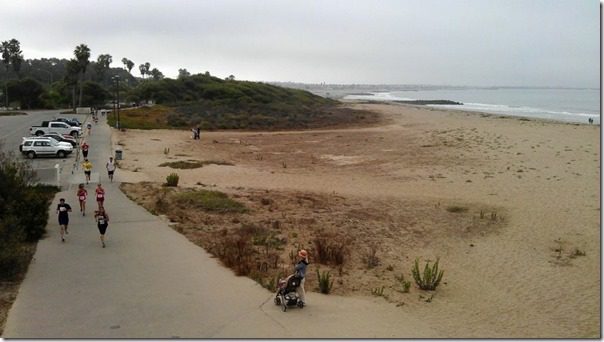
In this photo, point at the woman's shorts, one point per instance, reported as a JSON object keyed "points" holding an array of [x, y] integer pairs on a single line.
{"points": [[85, 154], [102, 228], [87, 173], [110, 173], [63, 221]]}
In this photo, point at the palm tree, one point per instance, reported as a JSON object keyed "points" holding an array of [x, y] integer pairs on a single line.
{"points": [[102, 64], [11, 55], [71, 78], [128, 64], [82, 54], [142, 69]]}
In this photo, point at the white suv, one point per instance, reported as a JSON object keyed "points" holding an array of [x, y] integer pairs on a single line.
{"points": [[38, 146]]}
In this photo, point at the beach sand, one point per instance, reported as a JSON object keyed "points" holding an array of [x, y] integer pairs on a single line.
{"points": [[530, 270]]}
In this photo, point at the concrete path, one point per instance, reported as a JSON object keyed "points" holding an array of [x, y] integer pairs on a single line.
{"points": [[151, 282]]}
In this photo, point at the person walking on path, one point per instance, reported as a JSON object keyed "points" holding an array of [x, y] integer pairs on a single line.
{"points": [[85, 148], [63, 209], [110, 168], [102, 221], [100, 195], [82, 194], [87, 166], [301, 272]]}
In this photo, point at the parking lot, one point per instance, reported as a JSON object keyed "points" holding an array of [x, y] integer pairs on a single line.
{"points": [[14, 128]]}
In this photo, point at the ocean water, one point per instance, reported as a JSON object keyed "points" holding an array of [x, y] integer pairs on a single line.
{"points": [[559, 104]]}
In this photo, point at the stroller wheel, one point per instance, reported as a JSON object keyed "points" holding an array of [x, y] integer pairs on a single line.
{"points": [[277, 301], [300, 304]]}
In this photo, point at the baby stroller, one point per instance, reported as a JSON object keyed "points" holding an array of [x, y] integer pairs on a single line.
{"points": [[286, 292]]}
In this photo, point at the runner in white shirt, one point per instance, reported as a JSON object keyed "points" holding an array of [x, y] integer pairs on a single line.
{"points": [[110, 168]]}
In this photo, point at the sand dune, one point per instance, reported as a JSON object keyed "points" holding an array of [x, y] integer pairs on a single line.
{"points": [[535, 274]]}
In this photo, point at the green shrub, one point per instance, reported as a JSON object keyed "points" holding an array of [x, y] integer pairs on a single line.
{"points": [[406, 285], [430, 278], [209, 200], [325, 285], [23, 214], [172, 179], [457, 209]]}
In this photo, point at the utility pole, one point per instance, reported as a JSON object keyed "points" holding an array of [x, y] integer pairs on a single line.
{"points": [[116, 108]]}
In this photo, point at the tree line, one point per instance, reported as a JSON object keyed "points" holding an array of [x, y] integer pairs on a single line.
{"points": [[54, 83]]}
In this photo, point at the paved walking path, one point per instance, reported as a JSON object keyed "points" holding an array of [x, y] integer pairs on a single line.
{"points": [[151, 282]]}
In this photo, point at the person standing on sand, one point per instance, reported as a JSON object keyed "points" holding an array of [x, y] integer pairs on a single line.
{"points": [[87, 166], [63, 209], [102, 220], [82, 194], [198, 132], [100, 195], [300, 271], [110, 168]]}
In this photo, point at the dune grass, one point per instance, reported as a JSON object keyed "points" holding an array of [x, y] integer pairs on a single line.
{"points": [[192, 164], [209, 200]]}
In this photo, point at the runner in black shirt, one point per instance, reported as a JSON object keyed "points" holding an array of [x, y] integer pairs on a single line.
{"points": [[63, 209]]}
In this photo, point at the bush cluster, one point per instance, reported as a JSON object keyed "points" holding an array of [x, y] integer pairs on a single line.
{"points": [[172, 179], [23, 214]]}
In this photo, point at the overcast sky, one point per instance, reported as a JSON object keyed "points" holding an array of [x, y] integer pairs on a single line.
{"points": [[453, 42]]}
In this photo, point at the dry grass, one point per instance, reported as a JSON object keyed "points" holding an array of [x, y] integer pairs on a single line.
{"points": [[261, 242], [192, 164]]}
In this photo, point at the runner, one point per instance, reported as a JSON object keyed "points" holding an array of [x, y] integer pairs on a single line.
{"points": [[85, 147], [102, 220], [82, 194], [100, 195], [63, 209], [89, 126], [110, 168], [87, 166]]}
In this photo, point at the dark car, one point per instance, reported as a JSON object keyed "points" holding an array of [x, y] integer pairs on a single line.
{"points": [[59, 137], [73, 122]]}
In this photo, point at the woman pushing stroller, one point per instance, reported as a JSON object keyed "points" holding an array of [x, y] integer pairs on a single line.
{"points": [[300, 271], [290, 290]]}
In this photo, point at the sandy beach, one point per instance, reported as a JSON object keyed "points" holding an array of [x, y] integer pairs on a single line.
{"points": [[521, 260]]}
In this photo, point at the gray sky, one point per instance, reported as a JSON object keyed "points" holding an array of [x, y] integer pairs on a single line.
{"points": [[454, 42]]}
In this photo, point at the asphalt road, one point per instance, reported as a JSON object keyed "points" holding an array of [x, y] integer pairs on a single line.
{"points": [[14, 128]]}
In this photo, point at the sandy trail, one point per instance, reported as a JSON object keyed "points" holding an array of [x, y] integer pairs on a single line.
{"points": [[524, 280]]}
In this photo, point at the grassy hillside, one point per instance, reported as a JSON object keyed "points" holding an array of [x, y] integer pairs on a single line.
{"points": [[214, 103]]}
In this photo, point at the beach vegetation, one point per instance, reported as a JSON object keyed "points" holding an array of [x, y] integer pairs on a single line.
{"points": [[213, 103], [330, 248], [378, 291], [370, 258], [325, 281], [172, 179], [18, 232], [430, 278], [456, 209], [405, 284], [209, 200], [192, 164]]}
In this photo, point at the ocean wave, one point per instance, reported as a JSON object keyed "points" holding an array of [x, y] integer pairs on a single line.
{"points": [[520, 109], [511, 110]]}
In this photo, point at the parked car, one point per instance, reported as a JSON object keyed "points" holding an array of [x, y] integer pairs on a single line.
{"points": [[52, 127], [34, 147], [62, 138], [60, 143], [73, 122]]}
